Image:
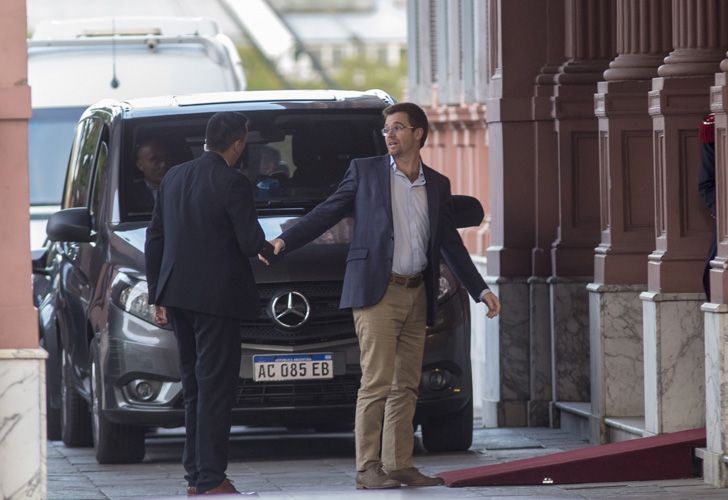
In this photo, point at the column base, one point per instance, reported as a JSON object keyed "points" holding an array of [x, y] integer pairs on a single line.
{"points": [[540, 353], [715, 470], [674, 353], [570, 339], [501, 389], [22, 424], [616, 359]]}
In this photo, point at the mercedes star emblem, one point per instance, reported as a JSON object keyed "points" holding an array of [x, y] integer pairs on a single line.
{"points": [[290, 309]]}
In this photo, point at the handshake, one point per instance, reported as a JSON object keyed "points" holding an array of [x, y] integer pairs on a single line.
{"points": [[271, 251]]}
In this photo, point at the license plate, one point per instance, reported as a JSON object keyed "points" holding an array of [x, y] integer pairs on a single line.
{"points": [[272, 367]]}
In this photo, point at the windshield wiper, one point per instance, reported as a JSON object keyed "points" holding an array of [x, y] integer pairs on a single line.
{"points": [[288, 204]]}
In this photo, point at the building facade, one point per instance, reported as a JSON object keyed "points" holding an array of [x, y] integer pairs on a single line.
{"points": [[22, 362], [576, 123]]}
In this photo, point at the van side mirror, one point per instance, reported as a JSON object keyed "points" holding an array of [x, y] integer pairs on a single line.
{"points": [[70, 225], [467, 211]]}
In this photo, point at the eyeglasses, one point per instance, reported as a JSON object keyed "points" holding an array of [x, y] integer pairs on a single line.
{"points": [[396, 128]]}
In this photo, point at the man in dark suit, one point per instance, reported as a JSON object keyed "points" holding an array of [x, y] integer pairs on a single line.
{"points": [[403, 224], [204, 228]]}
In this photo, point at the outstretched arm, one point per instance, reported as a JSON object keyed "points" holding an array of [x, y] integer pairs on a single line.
{"points": [[325, 215]]}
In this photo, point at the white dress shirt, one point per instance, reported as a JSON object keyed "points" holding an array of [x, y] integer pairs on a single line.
{"points": [[411, 222]]}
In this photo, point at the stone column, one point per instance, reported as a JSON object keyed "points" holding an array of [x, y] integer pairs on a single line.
{"points": [[546, 218], [715, 470], [22, 380], [627, 212], [589, 48], [511, 152], [673, 324]]}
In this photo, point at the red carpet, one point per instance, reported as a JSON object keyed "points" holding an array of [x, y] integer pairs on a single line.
{"points": [[667, 456]]}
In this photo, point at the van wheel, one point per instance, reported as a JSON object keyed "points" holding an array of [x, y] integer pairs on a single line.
{"points": [[114, 443], [53, 422], [451, 432], [75, 417], [53, 415]]}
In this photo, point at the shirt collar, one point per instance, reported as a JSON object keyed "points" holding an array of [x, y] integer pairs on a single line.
{"points": [[393, 164]]}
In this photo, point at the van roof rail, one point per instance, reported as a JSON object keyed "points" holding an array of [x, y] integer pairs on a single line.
{"points": [[71, 29]]}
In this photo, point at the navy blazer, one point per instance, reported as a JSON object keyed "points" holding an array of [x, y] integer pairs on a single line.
{"points": [[365, 193], [203, 230]]}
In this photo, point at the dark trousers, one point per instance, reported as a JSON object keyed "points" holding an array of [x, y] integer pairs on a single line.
{"points": [[209, 349]]}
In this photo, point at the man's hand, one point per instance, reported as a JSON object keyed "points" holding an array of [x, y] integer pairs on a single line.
{"points": [[160, 315], [278, 246], [494, 305]]}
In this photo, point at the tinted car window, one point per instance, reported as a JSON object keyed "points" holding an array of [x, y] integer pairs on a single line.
{"points": [[81, 161], [50, 132], [99, 180], [292, 159]]}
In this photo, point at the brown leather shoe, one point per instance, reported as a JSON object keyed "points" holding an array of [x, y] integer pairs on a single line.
{"points": [[191, 491], [224, 488], [412, 477], [374, 478]]}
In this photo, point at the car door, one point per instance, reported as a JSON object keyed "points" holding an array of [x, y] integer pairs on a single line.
{"points": [[76, 259], [96, 265]]}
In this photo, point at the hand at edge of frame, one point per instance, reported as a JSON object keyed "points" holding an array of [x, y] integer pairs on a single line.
{"points": [[491, 301], [160, 315]]}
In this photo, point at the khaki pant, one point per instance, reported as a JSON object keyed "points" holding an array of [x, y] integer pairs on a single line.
{"points": [[392, 340]]}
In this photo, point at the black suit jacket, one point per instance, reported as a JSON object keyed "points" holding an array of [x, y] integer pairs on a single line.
{"points": [[203, 229], [365, 192]]}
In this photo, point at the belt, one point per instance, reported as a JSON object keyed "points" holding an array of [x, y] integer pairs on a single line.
{"points": [[411, 281]]}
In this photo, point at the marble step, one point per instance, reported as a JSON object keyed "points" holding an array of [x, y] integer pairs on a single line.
{"points": [[574, 418], [624, 428]]}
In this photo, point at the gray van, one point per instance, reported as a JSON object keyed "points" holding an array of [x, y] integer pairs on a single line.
{"points": [[112, 373]]}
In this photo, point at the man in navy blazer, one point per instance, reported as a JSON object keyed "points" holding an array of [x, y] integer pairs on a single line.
{"points": [[203, 230], [403, 225]]}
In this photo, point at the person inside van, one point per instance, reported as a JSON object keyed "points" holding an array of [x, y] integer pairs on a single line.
{"points": [[153, 161], [266, 171]]}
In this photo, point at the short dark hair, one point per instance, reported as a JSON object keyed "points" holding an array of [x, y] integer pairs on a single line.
{"points": [[153, 140], [224, 128], [416, 115]]}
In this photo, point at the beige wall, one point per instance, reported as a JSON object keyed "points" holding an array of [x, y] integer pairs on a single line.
{"points": [[18, 323]]}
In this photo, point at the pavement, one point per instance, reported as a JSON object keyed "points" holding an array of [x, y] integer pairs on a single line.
{"points": [[282, 464]]}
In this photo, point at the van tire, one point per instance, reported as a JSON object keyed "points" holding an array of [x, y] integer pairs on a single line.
{"points": [[53, 423], [450, 432], [75, 418], [113, 443]]}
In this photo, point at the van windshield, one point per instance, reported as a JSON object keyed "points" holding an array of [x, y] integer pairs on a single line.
{"points": [[50, 134], [294, 159]]}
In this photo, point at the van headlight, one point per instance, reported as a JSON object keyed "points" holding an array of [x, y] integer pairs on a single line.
{"points": [[448, 284], [132, 296]]}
